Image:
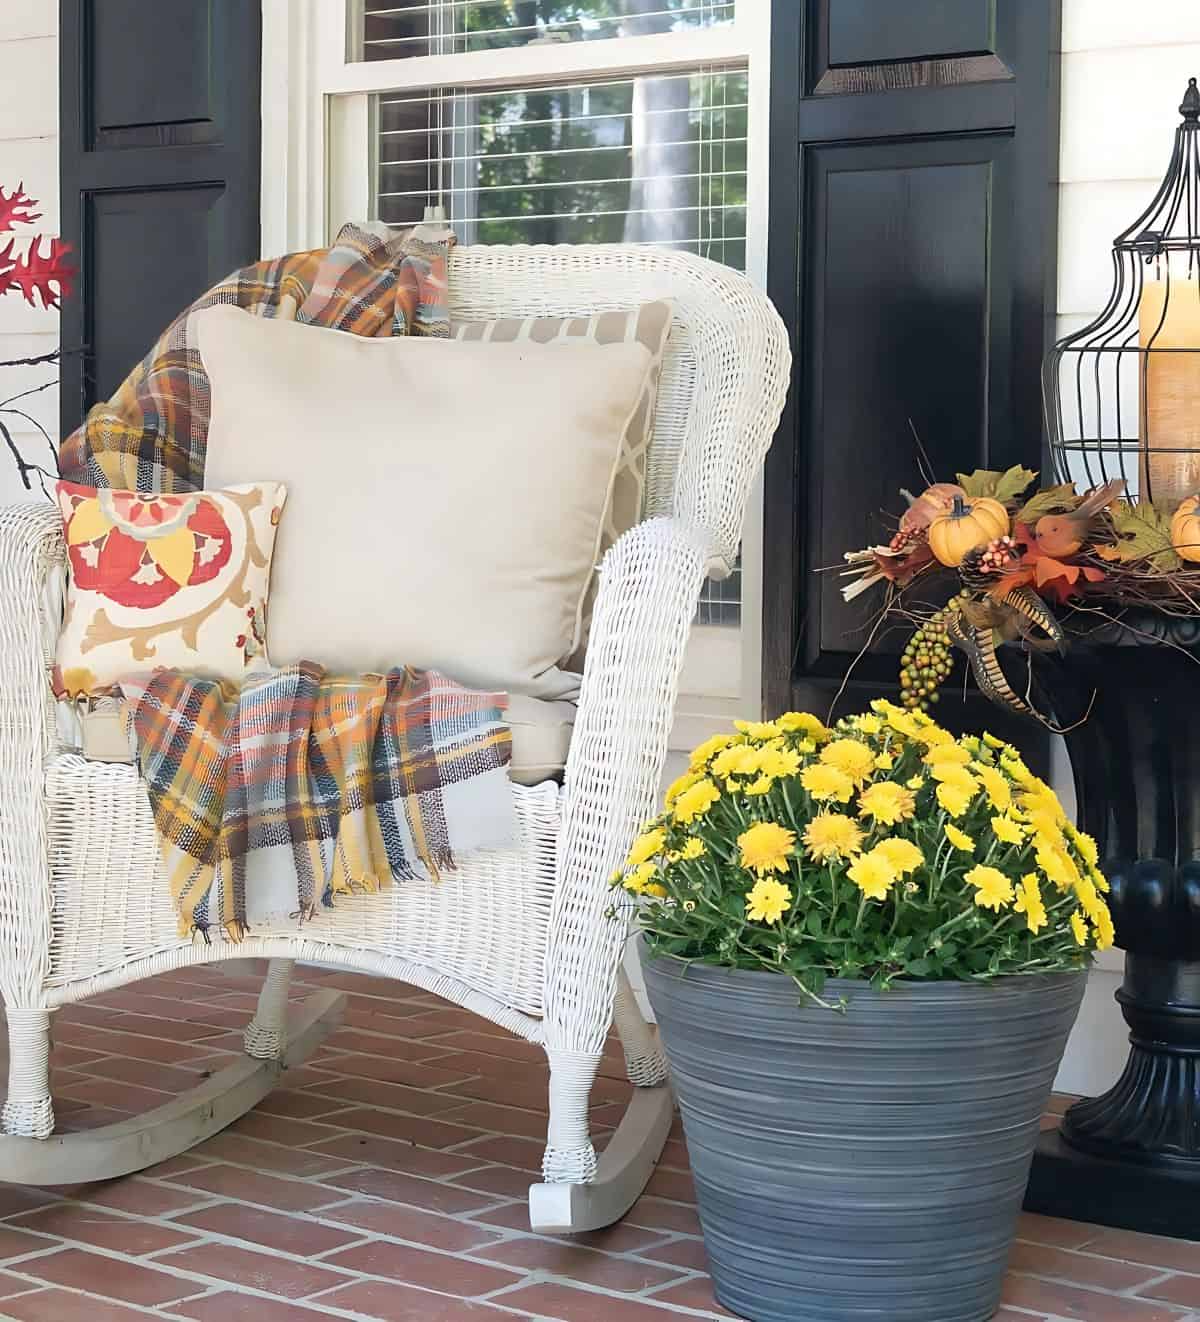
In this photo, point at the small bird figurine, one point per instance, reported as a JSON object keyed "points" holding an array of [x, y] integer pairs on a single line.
{"points": [[1060, 535]]}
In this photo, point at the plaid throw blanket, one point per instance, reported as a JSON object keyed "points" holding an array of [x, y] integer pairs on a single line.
{"points": [[151, 435], [303, 786]]}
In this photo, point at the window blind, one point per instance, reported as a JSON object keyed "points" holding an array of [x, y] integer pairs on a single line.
{"points": [[396, 29], [646, 159]]}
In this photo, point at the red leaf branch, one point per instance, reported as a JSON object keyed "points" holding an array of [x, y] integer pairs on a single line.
{"points": [[16, 208], [35, 272]]}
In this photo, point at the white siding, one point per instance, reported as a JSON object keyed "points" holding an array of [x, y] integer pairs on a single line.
{"points": [[28, 155], [1124, 71]]}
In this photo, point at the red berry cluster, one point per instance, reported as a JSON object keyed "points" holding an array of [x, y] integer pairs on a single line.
{"points": [[998, 555]]}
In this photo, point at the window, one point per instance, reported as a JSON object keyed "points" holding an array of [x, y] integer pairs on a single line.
{"points": [[536, 121], [401, 29]]}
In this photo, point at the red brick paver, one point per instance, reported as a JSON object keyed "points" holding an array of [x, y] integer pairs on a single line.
{"points": [[387, 1179]]}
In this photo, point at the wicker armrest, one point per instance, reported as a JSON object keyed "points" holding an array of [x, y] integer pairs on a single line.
{"points": [[649, 585], [31, 551]]}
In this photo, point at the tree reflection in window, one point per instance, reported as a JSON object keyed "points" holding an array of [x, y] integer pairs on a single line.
{"points": [[396, 29], [649, 159]]}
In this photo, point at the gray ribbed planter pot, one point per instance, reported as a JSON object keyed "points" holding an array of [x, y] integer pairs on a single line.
{"points": [[866, 1165]]}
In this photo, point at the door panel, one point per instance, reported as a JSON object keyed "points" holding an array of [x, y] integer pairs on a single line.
{"points": [[160, 171]]}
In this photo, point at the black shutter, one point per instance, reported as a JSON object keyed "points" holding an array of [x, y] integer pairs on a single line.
{"points": [[160, 171], [912, 251]]}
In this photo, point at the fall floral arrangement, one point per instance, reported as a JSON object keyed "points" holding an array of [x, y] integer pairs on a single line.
{"points": [[1012, 559], [880, 849]]}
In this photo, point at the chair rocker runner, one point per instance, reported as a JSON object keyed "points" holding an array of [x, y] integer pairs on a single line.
{"points": [[522, 936]]}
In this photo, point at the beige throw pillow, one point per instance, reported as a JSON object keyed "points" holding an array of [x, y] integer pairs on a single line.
{"points": [[446, 502]]}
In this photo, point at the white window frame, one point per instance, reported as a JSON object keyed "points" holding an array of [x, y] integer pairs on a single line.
{"points": [[317, 173]]}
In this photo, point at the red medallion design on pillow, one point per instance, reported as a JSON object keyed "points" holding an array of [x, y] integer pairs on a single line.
{"points": [[139, 550], [164, 580]]}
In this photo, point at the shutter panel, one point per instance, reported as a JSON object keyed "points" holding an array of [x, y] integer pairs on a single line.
{"points": [[160, 171]]}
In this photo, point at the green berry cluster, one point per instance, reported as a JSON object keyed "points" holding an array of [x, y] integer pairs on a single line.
{"points": [[926, 662]]}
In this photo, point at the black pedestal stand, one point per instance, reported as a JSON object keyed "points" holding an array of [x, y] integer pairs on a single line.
{"points": [[1131, 1158]]}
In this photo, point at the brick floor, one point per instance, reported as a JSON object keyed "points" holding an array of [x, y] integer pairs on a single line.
{"points": [[386, 1180]]}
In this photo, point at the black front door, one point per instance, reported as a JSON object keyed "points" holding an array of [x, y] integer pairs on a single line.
{"points": [[160, 168]]}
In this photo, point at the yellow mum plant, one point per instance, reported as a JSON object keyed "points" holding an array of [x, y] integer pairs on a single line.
{"points": [[880, 849]]}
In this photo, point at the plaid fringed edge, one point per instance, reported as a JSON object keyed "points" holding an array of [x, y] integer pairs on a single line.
{"points": [[271, 801], [151, 435]]}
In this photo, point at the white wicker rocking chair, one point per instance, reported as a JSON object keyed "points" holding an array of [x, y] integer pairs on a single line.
{"points": [[519, 936]]}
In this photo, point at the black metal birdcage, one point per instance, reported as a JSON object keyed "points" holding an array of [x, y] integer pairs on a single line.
{"points": [[1122, 395]]}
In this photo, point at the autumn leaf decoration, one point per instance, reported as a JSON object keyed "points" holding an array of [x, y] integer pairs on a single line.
{"points": [[36, 272]]}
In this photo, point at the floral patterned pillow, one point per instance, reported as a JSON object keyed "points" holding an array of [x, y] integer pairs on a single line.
{"points": [[164, 580]]}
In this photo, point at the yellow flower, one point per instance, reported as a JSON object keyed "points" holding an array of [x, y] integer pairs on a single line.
{"points": [[951, 773], [932, 735], [804, 723], [692, 802], [867, 723], [1029, 902], [760, 786], [658, 891], [1039, 799], [884, 761], [1086, 846], [1102, 925], [887, 803], [760, 730], [1007, 830], [993, 742], [677, 787], [1079, 928], [903, 723], [955, 798], [704, 751], [903, 856], [914, 783], [824, 782], [873, 875], [959, 839], [640, 878], [850, 756], [766, 847], [736, 760], [1055, 862], [832, 835], [997, 787], [1017, 770], [646, 846], [693, 848], [993, 890], [947, 755], [779, 761], [767, 901]]}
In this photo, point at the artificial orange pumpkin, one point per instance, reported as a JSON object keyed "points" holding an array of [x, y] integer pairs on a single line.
{"points": [[1185, 529], [973, 521]]}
